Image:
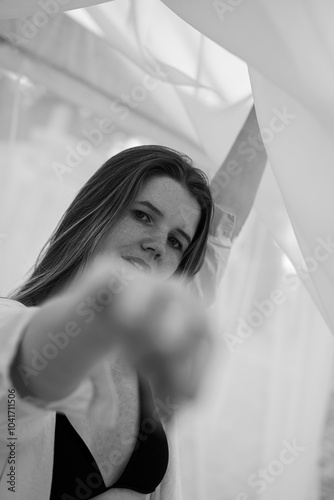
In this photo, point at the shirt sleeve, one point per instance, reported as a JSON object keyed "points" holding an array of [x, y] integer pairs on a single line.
{"points": [[95, 398], [206, 282]]}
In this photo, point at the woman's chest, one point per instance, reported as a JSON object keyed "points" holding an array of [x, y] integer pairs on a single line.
{"points": [[112, 447]]}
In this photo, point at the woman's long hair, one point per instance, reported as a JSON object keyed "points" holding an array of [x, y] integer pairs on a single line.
{"points": [[100, 204]]}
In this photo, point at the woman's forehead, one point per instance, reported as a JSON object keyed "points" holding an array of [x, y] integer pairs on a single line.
{"points": [[172, 199]]}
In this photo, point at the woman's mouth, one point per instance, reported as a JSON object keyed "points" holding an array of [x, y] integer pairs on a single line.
{"points": [[139, 264]]}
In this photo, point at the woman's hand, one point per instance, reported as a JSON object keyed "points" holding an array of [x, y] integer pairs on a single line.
{"points": [[165, 334], [161, 329]]}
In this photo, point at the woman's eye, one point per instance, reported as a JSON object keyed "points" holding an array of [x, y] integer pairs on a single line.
{"points": [[176, 243], [139, 214]]}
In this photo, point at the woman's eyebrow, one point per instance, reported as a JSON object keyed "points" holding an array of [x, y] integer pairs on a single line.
{"points": [[158, 212], [152, 207]]}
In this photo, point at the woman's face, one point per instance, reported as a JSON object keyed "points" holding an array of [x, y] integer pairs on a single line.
{"points": [[157, 228]]}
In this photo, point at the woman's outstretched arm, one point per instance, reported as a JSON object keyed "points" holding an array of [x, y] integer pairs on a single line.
{"points": [[64, 339], [157, 324]]}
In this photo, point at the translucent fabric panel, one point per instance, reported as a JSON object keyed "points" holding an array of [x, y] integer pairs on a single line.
{"points": [[49, 148]]}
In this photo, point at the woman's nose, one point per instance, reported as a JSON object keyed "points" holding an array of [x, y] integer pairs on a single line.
{"points": [[156, 245]]}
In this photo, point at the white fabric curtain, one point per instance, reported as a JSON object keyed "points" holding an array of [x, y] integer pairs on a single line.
{"points": [[274, 386], [290, 45], [18, 9], [270, 389]]}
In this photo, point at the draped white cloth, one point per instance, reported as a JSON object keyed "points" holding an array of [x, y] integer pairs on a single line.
{"points": [[290, 45], [274, 387], [17, 9]]}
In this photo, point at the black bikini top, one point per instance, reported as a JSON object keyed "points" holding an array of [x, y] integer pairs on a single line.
{"points": [[76, 475]]}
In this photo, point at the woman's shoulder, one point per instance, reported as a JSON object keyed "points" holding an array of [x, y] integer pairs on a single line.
{"points": [[7, 303]]}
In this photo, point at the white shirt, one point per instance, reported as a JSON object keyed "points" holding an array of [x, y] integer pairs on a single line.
{"points": [[27, 426]]}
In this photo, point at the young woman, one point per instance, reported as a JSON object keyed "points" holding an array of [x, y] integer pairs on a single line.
{"points": [[147, 211], [101, 342]]}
